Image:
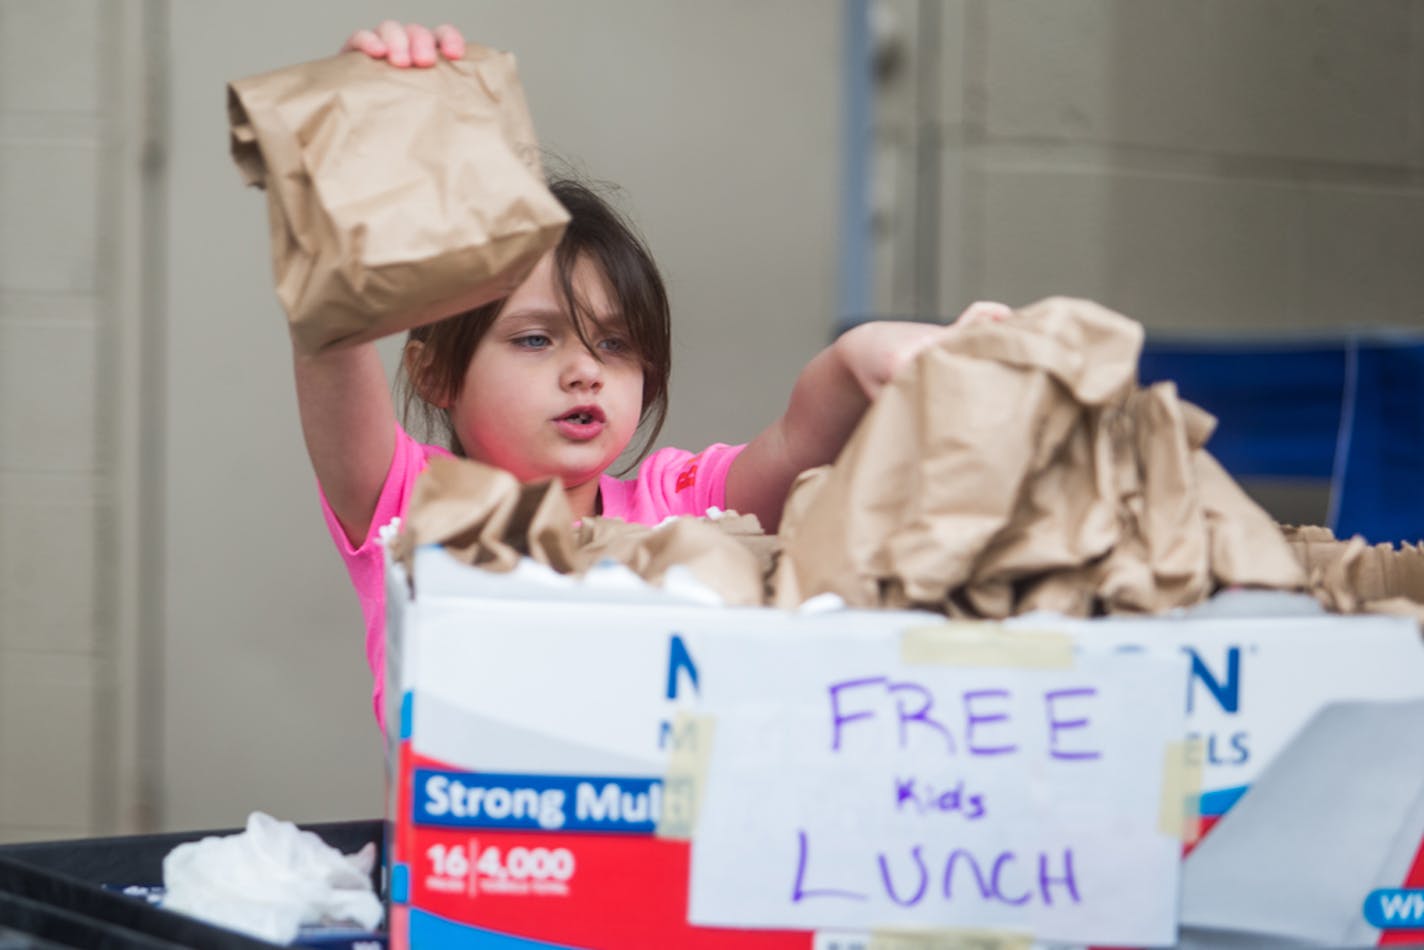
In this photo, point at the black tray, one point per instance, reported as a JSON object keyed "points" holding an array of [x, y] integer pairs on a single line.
{"points": [[57, 893]]}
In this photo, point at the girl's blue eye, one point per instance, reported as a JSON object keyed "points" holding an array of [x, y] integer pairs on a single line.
{"points": [[614, 344], [532, 341]]}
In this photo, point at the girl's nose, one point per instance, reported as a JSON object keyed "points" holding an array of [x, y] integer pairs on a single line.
{"points": [[582, 371]]}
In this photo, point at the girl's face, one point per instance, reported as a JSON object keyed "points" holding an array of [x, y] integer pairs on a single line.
{"points": [[536, 402]]}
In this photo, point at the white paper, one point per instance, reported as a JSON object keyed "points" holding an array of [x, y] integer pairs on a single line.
{"points": [[859, 793], [1338, 814]]}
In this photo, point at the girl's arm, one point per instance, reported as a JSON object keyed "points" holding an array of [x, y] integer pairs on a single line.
{"points": [[348, 419], [349, 423], [830, 396]]}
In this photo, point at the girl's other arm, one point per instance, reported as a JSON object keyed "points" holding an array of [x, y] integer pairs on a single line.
{"points": [[827, 402], [349, 423]]}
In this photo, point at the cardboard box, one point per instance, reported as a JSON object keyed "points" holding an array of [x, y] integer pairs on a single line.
{"points": [[581, 853]]}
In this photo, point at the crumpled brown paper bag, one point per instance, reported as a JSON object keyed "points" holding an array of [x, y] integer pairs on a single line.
{"points": [[728, 554], [484, 517], [395, 197], [1017, 466], [1350, 576]]}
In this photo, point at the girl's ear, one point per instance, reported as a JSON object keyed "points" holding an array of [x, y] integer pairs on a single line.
{"points": [[422, 378]]}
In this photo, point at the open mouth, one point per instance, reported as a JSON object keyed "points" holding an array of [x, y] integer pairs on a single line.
{"points": [[583, 415]]}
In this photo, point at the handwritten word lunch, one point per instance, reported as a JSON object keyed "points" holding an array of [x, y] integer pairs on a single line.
{"points": [[1005, 877]]}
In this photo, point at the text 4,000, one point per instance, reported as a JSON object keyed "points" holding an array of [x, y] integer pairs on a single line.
{"points": [[454, 863]]}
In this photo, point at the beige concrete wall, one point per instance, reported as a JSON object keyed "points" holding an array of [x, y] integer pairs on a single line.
{"points": [[63, 165], [1214, 165]]}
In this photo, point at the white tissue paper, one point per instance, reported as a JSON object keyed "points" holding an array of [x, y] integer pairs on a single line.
{"points": [[270, 880]]}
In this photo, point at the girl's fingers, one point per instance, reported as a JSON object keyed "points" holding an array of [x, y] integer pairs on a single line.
{"points": [[408, 44], [449, 41], [367, 42], [397, 43], [422, 45], [984, 311]]}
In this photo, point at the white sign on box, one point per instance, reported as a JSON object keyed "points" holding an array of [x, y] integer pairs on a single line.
{"points": [[846, 788]]}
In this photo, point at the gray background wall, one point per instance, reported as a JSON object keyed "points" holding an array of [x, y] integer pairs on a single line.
{"points": [[178, 643], [1202, 165]]}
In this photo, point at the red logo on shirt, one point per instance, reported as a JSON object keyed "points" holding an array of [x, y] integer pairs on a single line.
{"points": [[687, 478]]}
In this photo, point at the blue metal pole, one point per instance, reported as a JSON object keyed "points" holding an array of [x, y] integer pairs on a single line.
{"points": [[858, 136]]}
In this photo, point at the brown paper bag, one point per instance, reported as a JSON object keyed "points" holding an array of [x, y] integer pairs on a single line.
{"points": [[724, 557], [1017, 466], [937, 469], [1351, 576], [1247, 546], [484, 517], [395, 197]]}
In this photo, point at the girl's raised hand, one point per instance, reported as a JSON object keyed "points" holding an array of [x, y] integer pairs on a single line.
{"points": [[408, 44], [874, 352]]}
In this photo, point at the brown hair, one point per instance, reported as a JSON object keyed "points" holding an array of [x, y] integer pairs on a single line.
{"points": [[597, 232]]}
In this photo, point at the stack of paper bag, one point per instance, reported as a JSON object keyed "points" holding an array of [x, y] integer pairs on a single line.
{"points": [[1018, 466], [485, 517]]}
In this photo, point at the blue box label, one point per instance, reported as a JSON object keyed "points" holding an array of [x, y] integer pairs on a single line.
{"points": [[454, 799]]}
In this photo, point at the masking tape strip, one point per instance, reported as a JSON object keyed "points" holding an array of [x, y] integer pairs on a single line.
{"points": [[985, 645], [949, 940], [686, 775], [1179, 813]]}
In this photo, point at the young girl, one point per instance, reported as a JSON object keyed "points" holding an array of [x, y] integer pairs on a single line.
{"points": [[556, 381]]}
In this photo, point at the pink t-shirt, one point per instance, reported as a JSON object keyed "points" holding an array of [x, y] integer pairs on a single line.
{"points": [[669, 482]]}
